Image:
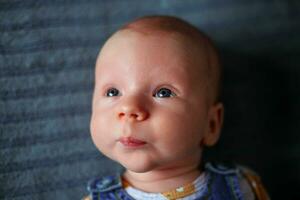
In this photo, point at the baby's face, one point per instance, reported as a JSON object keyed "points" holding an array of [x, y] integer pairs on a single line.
{"points": [[149, 105]]}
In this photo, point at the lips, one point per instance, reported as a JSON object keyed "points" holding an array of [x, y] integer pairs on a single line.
{"points": [[131, 142]]}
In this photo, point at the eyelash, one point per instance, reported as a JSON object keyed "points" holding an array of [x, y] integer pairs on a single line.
{"points": [[170, 92]]}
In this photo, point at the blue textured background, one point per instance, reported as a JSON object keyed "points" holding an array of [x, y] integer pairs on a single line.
{"points": [[47, 54]]}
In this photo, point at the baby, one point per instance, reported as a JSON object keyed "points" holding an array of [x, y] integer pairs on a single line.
{"points": [[155, 107]]}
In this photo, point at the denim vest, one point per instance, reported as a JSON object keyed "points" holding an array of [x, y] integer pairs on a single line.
{"points": [[223, 184]]}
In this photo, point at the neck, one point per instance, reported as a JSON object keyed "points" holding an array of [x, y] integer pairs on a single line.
{"points": [[164, 179]]}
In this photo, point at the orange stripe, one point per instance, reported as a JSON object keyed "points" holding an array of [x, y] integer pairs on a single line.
{"points": [[180, 192], [257, 186]]}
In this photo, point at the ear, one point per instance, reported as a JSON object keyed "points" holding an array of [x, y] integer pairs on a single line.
{"points": [[215, 122]]}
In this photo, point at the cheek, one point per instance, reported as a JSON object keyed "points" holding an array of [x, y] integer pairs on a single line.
{"points": [[178, 125], [101, 131], [175, 138]]}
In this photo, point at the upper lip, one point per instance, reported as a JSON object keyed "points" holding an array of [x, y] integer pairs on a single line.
{"points": [[131, 140]]}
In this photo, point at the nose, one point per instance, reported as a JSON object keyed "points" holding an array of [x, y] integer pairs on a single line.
{"points": [[132, 110]]}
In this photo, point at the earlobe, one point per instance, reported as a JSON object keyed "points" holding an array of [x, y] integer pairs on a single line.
{"points": [[215, 122]]}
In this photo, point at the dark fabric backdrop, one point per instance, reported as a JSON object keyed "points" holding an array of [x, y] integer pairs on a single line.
{"points": [[47, 54]]}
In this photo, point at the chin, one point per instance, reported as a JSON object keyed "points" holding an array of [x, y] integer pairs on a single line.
{"points": [[138, 166]]}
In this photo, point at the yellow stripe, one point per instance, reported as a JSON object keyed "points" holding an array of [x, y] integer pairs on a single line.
{"points": [[257, 186], [180, 192]]}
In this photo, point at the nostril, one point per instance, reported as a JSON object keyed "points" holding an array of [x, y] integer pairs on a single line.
{"points": [[134, 115]]}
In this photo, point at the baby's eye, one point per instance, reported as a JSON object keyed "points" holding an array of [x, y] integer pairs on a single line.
{"points": [[112, 92], [164, 93]]}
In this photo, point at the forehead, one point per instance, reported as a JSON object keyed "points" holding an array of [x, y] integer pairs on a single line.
{"points": [[172, 55]]}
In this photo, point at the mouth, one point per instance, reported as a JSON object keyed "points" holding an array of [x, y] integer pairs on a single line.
{"points": [[131, 142]]}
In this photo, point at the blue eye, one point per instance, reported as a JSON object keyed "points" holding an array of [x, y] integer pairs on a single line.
{"points": [[111, 92], [164, 93]]}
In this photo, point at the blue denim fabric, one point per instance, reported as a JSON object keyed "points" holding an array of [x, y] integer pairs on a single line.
{"points": [[223, 184]]}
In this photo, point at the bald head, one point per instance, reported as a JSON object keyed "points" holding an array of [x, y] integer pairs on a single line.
{"points": [[193, 38], [172, 26]]}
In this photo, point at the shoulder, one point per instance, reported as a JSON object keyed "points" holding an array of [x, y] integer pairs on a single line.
{"points": [[104, 184], [249, 181]]}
